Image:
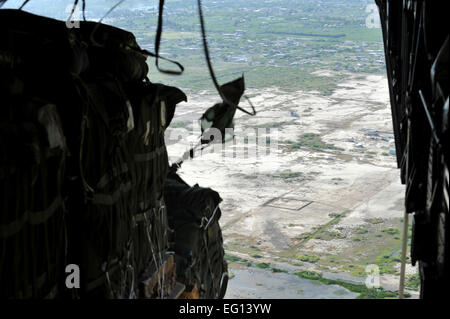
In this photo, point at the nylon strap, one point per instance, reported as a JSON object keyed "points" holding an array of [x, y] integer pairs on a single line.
{"points": [[33, 218], [111, 199]]}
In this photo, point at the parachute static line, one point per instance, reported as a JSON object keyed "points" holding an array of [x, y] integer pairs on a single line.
{"points": [[230, 106], [220, 117], [209, 64], [159, 30], [83, 9]]}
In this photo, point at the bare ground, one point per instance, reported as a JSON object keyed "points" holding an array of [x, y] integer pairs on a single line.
{"points": [[331, 202]]}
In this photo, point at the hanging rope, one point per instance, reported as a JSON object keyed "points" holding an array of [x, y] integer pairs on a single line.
{"points": [[23, 4], [84, 10], [158, 42], [210, 68], [100, 21]]}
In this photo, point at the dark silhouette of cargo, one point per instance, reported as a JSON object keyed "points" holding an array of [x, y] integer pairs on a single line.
{"points": [[83, 165], [416, 42]]}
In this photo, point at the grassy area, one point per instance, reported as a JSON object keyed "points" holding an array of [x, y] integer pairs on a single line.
{"points": [[235, 259], [292, 252], [353, 269], [278, 270], [290, 175], [330, 235], [362, 290], [311, 140], [375, 220], [387, 261], [361, 230], [307, 258], [391, 231], [263, 265], [244, 245], [412, 282]]}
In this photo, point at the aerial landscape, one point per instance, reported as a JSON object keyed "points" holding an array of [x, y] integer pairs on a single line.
{"points": [[319, 204]]}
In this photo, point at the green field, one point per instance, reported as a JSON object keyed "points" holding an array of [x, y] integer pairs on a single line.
{"points": [[274, 46]]}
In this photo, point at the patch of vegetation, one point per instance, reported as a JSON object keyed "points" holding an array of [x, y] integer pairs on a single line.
{"points": [[412, 282], [354, 270], [235, 259], [338, 235], [313, 141], [386, 262], [276, 270], [243, 245], [385, 154], [289, 175], [364, 292], [391, 231], [311, 275], [330, 235], [256, 256], [361, 230], [232, 258], [334, 215], [375, 220], [307, 236], [297, 264], [307, 258], [263, 265], [331, 259], [231, 275]]}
